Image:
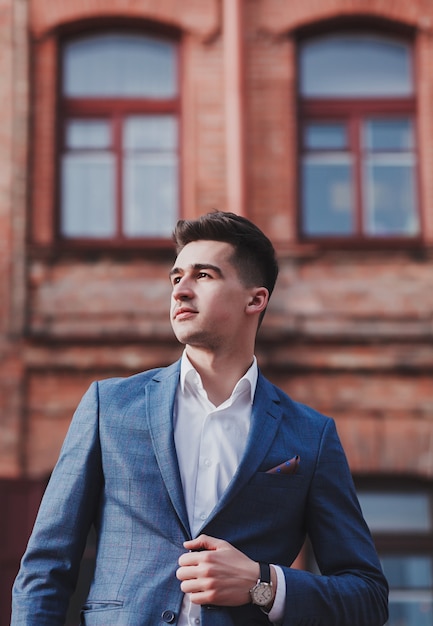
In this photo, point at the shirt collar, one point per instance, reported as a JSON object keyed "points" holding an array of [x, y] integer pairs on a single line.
{"points": [[248, 381]]}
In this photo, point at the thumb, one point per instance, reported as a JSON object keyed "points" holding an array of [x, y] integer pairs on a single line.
{"points": [[202, 542]]}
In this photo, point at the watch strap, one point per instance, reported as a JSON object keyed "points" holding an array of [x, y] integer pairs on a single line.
{"points": [[265, 573]]}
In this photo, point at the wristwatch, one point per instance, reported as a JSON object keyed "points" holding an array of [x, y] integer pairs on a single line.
{"points": [[262, 592]]}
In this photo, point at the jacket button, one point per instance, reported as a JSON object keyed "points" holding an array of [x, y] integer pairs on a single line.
{"points": [[168, 617]]}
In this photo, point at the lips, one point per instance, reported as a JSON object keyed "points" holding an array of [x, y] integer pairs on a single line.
{"points": [[184, 312]]}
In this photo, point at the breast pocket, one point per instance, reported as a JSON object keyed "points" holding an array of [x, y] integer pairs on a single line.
{"points": [[264, 480], [275, 497]]}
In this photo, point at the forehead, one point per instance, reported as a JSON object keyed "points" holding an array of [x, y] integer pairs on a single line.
{"points": [[204, 251]]}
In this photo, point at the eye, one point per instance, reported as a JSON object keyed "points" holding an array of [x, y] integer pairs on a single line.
{"points": [[175, 280], [203, 275]]}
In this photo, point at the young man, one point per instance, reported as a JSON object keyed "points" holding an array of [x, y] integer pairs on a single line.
{"points": [[202, 479]]}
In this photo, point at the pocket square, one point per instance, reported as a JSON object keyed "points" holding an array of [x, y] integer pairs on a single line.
{"points": [[288, 467]]}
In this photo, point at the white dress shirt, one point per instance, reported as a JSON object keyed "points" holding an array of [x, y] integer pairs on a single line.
{"points": [[210, 442]]}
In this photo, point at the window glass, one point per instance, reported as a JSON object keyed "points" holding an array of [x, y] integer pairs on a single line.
{"points": [[119, 65], [390, 196], [150, 195], [88, 195], [389, 134], [88, 180], [389, 178], [328, 195], [150, 166], [408, 571], [82, 133], [409, 610], [355, 65], [325, 136], [150, 132], [396, 512]]}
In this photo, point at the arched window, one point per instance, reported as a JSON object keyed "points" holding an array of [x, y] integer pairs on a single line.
{"points": [[119, 166], [357, 137]]}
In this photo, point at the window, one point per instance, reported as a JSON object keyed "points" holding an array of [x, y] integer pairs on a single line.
{"points": [[119, 166], [358, 154], [402, 525]]}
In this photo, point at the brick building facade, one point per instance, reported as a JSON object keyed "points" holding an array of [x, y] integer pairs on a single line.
{"points": [[350, 327]]}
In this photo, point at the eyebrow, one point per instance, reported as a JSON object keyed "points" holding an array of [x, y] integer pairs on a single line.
{"points": [[198, 267]]}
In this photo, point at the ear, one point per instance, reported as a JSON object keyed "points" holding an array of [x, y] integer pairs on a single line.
{"points": [[258, 301]]}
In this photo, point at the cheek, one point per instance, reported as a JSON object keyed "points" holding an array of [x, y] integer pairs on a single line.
{"points": [[232, 311], [172, 307]]}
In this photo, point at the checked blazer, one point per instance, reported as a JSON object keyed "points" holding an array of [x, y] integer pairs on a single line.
{"points": [[118, 471]]}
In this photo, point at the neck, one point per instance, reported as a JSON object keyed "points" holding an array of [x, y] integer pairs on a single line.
{"points": [[219, 374]]}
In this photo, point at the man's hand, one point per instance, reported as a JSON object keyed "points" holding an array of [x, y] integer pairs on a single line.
{"points": [[214, 572]]}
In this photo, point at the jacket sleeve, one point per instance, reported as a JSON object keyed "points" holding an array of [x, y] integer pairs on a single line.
{"points": [[351, 589], [50, 565]]}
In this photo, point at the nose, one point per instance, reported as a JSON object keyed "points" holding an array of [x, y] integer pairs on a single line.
{"points": [[182, 290]]}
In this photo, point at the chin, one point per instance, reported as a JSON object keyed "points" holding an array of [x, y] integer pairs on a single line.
{"points": [[196, 340], [183, 337]]}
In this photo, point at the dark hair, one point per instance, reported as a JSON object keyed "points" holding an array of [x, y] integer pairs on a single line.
{"points": [[254, 254]]}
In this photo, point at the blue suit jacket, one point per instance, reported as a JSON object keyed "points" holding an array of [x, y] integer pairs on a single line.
{"points": [[118, 470]]}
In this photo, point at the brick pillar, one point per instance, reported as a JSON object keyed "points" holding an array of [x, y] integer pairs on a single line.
{"points": [[234, 89], [13, 162]]}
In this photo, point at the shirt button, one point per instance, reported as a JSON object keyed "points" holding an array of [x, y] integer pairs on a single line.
{"points": [[207, 462], [197, 620], [203, 516]]}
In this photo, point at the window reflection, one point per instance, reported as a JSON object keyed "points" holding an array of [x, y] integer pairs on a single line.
{"points": [[119, 65], [390, 196], [408, 572], [327, 195], [325, 136], [389, 134], [355, 65], [390, 177], [88, 195], [396, 511], [150, 166], [82, 133]]}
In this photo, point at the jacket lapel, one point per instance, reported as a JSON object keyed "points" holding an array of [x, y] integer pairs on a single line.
{"points": [[265, 421], [161, 394]]}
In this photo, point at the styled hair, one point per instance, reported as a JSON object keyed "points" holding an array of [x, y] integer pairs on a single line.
{"points": [[254, 255]]}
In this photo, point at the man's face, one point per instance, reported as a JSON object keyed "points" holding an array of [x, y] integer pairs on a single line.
{"points": [[208, 299]]}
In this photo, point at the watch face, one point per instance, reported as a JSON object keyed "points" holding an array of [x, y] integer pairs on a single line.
{"points": [[262, 594]]}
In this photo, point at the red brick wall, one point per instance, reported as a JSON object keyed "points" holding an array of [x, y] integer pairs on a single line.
{"points": [[349, 332]]}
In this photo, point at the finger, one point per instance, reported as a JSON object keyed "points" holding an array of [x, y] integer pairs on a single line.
{"points": [[203, 542], [186, 573], [202, 597], [190, 558], [193, 586]]}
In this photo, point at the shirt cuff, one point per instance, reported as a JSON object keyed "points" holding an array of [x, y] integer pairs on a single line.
{"points": [[276, 614]]}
